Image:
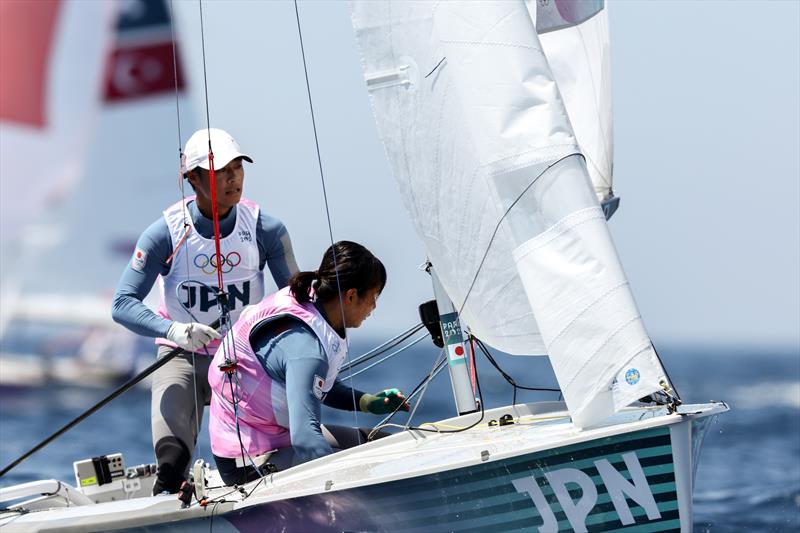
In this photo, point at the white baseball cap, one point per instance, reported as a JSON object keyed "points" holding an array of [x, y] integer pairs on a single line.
{"points": [[225, 149]]}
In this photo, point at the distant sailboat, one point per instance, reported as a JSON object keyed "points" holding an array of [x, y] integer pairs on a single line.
{"points": [[481, 143], [63, 255]]}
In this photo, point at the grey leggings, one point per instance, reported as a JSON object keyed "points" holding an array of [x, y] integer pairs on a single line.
{"points": [[179, 394]]}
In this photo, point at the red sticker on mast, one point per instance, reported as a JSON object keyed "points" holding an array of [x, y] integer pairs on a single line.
{"points": [[456, 352]]}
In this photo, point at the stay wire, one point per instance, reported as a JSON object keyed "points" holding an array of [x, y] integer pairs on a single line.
{"points": [[434, 372], [227, 345], [327, 208], [465, 428], [186, 225], [383, 348], [175, 78], [438, 365], [422, 337], [205, 74]]}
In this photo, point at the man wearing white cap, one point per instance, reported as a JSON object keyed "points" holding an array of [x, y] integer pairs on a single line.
{"points": [[179, 250]]}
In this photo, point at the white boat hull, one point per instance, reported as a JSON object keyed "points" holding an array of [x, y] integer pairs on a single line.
{"points": [[541, 473]]}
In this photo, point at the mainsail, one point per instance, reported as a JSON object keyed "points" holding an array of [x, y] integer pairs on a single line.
{"points": [[490, 169]]}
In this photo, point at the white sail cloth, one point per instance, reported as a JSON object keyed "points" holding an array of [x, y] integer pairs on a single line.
{"points": [[574, 37], [490, 170]]}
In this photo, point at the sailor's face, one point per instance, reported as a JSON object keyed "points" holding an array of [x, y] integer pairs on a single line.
{"points": [[229, 180], [359, 307]]}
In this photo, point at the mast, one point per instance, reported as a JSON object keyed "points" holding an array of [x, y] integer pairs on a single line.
{"points": [[453, 339]]}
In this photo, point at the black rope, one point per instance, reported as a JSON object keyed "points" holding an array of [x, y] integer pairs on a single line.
{"points": [[437, 66], [497, 227], [506, 376]]}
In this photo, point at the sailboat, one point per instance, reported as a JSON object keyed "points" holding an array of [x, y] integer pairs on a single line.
{"points": [[55, 325], [495, 165]]}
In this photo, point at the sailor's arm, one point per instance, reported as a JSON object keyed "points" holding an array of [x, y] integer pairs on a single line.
{"points": [[386, 401], [275, 249], [292, 354], [302, 395], [148, 261], [341, 397]]}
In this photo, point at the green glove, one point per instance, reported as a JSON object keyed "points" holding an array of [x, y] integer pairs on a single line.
{"points": [[383, 402]]}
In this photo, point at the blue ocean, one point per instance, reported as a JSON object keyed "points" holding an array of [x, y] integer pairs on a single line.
{"points": [[748, 478]]}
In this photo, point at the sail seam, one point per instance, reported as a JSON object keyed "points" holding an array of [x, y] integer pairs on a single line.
{"points": [[562, 226], [606, 179], [494, 43], [587, 308], [550, 153], [604, 381], [603, 345]]}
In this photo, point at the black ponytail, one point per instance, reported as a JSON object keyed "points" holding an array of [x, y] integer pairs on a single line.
{"points": [[300, 283], [357, 269]]}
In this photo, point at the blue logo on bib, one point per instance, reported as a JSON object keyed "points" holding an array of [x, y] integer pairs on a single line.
{"points": [[632, 376]]}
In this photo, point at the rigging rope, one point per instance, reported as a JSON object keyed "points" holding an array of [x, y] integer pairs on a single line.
{"points": [[502, 218], [181, 172], [227, 346], [327, 208]]}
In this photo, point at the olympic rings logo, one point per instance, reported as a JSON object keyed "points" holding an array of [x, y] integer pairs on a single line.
{"points": [[209, 265]]}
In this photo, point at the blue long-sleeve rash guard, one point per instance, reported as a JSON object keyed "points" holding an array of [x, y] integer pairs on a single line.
{"points": [[292, 354], [274, 249]]}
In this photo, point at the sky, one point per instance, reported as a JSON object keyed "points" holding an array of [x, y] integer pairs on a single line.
{"points": [[706, 122]]}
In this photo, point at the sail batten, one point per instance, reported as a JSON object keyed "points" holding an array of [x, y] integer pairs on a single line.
{"points": [[498, 186]]}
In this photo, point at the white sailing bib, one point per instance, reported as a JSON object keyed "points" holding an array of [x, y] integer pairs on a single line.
{"points": [[192, 279]]}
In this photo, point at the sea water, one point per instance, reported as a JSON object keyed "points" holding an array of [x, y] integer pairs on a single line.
{"points": [[748, 478]]}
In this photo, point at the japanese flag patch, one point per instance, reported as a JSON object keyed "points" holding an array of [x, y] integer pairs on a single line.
{"points": [[139, 260], [319, 385]]}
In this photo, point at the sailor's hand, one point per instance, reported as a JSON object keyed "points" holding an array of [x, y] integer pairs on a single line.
{"points": [[383, 402], [192, 336]]}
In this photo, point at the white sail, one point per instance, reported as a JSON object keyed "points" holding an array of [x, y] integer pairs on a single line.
{"points": [[574, 37], [486, 160]]}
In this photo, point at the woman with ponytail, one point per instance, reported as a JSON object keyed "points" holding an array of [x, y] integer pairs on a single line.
{"points": [[266, 401]]}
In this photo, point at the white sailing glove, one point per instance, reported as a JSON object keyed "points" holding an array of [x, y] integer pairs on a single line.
{"points": [[192, 336]]}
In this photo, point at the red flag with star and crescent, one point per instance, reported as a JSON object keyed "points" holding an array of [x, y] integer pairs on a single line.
{"points": [[145, 62]]}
